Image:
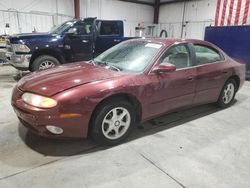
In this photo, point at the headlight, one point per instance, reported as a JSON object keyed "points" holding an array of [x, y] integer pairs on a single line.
{"points": [[38, 101], [20, 48]]}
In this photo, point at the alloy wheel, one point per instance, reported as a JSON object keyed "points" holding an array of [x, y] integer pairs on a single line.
{"points": [[228, 93], [46, 64], [116, 123]]}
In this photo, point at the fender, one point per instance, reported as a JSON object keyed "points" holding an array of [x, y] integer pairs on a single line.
{"points": [[58, 54]]}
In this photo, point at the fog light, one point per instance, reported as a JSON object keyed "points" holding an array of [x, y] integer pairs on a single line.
{"points": [[54, 129]]}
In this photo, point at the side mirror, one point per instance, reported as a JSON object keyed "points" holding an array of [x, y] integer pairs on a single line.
{"points": [[164, 68], [71, 31]]}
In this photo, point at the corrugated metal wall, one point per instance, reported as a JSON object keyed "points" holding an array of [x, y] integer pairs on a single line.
{"points": [[23, 22], [197, 15], [24, 15], [43, 14], [131, 13]]}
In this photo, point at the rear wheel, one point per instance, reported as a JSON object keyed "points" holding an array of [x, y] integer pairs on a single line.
{"points": [[44, 62], [227, 94], [113, 122]]}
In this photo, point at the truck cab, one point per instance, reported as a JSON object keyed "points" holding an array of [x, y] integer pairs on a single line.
{"points": [[74, 40]]}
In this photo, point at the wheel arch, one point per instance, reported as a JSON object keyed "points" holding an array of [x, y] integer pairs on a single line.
{"points": [[56, 54], [236, 79], [132, 99]]}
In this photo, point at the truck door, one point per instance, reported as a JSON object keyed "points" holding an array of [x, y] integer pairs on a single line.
{"points": [[110, 33], [80, 40]]}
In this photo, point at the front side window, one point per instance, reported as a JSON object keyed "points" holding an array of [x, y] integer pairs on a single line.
{"points": [[177, 55], [205, 55], [83, 27], [132, 56]]}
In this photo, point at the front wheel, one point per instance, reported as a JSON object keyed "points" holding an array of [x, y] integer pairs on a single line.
{"points": [[227, 94], [112, 122], [44, 62]]}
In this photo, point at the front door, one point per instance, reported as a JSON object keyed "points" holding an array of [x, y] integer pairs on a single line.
{"points": [[176, 89], [79, 45]]}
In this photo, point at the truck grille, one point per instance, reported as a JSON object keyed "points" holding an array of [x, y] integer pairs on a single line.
{"points": [[8, 46]]}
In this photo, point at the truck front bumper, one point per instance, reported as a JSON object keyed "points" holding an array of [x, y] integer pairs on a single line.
{"points": [[19, 61]]}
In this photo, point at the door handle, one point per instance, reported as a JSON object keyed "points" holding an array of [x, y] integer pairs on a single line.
{"points": [[85, 41], [190, 78], [224, 72], [117, 40]]}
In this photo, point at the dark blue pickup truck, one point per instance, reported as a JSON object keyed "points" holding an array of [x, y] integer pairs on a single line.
{"points": [[71, 41]]}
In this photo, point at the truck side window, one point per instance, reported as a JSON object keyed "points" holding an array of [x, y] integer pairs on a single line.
{"points": [[109, 28], [205, 55], [83, 28]]}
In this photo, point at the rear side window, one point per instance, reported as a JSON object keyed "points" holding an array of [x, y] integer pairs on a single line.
{"points": [[109, 28], [205, 55]]}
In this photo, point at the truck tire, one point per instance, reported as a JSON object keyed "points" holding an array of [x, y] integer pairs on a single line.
{"points": [[44, 62]]}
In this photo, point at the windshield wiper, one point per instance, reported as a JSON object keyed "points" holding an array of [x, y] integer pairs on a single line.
{"points": [[105, 64], [115, 67], [92, 62]]}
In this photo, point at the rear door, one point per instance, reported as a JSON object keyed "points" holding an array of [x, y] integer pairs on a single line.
{"points": [[212, 72], [80, 46], [109, 34]]}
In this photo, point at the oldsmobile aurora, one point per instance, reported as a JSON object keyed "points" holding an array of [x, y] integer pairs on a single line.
{"points": [[132, 82]]}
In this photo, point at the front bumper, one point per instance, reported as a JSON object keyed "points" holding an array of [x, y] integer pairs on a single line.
{"points": [[19, 61], [36, 119]]}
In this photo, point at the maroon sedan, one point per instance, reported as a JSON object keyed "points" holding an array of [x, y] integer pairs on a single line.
{"points": [[132, 82]]}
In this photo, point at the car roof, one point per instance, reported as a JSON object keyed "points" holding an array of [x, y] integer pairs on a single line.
{"points": [[170, 41]]}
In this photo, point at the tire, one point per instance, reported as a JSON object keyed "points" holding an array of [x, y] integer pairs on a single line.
{"points": [[227, 94], [44, 62], [106, 129]]}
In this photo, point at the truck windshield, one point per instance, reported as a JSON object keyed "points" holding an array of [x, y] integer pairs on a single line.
{"points": [[132, 56], [61, 28]]}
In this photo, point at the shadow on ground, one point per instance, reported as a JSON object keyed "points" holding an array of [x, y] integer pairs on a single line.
{"points": [[54, 147]]}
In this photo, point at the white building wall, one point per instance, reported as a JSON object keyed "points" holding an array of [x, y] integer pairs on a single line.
{"points": [[198, 14], [24, 15], [43, 14], [130, 13]]}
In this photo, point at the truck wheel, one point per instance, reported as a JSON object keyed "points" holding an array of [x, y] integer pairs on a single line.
{"points": [[44, 62], [112, 122]]}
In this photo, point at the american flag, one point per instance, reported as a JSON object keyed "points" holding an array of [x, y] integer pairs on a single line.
{"points": [[232, 12]]}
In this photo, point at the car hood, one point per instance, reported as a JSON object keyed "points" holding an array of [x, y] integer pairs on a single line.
{"points": [[29, 37], [52, 81]]}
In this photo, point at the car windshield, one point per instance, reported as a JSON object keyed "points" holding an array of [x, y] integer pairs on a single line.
{"points": [[61, 28], [132, 56]]}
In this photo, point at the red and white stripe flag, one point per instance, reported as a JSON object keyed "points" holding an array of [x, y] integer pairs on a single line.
{"points": [[232, 12]]}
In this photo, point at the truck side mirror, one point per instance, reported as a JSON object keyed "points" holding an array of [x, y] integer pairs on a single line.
{"points": [[71, 31]]}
